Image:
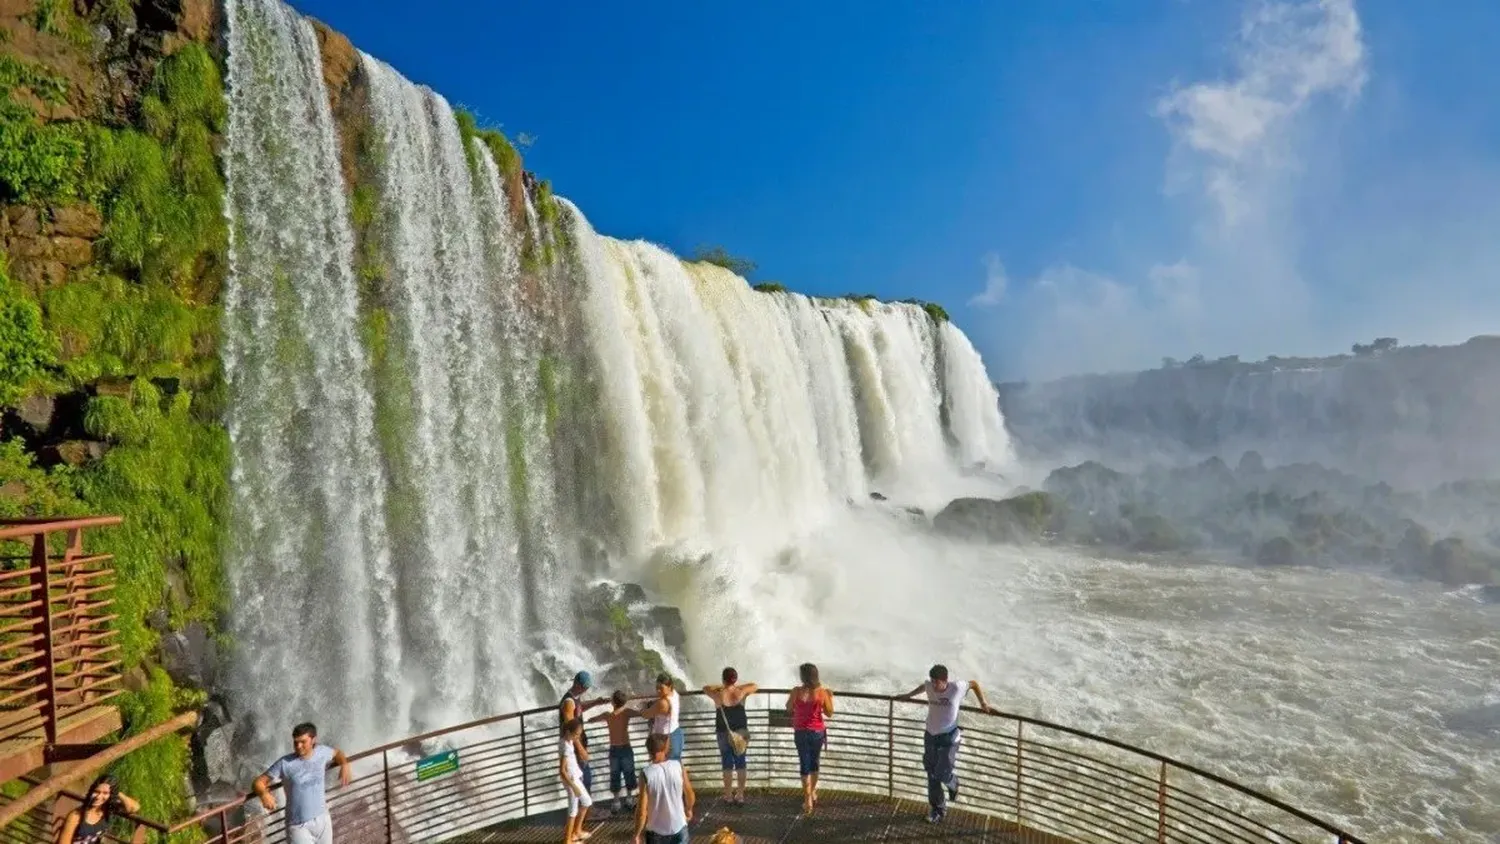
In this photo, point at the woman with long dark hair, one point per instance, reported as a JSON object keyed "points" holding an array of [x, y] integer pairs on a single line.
{"points": [[809, 704], [88, 823]]}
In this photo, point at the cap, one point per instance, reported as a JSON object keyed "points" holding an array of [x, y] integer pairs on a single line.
{"points": [[584, 679]]}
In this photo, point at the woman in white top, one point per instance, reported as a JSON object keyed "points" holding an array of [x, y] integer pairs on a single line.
{"points": [[572, 756], [664, 713]]}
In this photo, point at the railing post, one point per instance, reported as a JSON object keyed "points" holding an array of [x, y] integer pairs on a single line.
{"points": [[1161, 807], [41, 581], [525, 774], [385, 763], [890, 748], [1020, 728], [224, 825]]}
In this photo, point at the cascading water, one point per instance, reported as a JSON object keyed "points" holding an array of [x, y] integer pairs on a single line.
{"points": [[514, 405], [310, 571]]}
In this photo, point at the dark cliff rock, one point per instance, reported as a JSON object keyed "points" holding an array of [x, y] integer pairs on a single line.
{"points": [[1301, 514], [611, 620]]}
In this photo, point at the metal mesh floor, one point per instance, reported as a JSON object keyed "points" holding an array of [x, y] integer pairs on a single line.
{"points": [[771, 817]]}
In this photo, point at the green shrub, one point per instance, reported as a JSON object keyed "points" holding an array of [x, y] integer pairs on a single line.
{"points": [[719, 256], [26, 350], [769, 287]]}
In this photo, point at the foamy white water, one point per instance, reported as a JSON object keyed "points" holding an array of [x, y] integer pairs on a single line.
{"points": [[1360, 699]]}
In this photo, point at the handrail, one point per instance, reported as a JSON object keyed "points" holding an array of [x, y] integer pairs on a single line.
{"points": [[1021, 776], [24, 527]]}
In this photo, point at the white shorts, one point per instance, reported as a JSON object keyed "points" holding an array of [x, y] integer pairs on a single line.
{"points": [[319, 830], [577, 801]]}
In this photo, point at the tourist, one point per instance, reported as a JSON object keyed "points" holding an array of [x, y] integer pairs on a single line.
{"points": [[573, 762], [89, 823], [940, 742], [666, 797], [621, 754], [809, 704], [574, 706], [665, 714], [303, 776], [732, 728]]}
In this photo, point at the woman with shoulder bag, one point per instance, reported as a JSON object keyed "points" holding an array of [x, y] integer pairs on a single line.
{"points": [[732, 728]]}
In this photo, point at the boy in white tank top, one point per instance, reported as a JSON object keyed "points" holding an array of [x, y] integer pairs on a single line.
{"points": [[945, 698], [667, 797]]}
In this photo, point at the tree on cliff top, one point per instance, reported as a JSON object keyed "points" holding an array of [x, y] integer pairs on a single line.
{"points": [[719, 256]]}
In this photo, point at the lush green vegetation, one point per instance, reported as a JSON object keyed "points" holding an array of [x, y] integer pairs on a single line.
{"points": [[143, 317], [769, 287], [161, 191]]}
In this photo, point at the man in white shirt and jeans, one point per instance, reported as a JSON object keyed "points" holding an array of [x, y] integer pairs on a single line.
{"points": [[667, 797], [940, 742]]}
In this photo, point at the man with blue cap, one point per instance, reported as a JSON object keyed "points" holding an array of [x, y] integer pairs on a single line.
{"points": [[573, 706]]}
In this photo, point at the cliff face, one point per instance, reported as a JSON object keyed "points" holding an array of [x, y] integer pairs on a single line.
{"points": [[113, 257], [1414, 417]]}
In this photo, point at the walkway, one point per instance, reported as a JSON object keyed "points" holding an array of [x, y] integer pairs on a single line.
{"points": [[772, 817]]}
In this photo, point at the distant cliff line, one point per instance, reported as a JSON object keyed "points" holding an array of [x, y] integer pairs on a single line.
{"points": [[1417, 415]]}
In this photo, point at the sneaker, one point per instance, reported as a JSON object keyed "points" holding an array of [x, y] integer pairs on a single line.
{"points": [[934, 816]]}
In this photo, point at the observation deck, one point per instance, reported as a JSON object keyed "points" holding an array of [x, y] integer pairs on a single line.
{"points": [[1022, 780]]}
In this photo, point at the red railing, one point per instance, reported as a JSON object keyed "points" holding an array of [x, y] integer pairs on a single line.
{"points": [[58, 655], [1045, 781]]}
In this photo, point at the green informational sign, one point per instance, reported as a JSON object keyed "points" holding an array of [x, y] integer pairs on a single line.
{"points": [[437, 765]]}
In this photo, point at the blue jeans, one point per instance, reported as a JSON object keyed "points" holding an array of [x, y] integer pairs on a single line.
{"points": [[674, 746], [728, 759], [939, 757], [678, 837], [809, 748], [621, 769]]}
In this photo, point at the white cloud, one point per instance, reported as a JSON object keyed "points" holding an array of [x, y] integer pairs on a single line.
{"points": [[1287, 54], [1236, 145], [994, 283]]}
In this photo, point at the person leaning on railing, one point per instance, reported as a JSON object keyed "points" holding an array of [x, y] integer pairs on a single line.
{"points": [[303, 774], [732, 728], [809, 704], [89, 823], [665, 714], [940, 741]]}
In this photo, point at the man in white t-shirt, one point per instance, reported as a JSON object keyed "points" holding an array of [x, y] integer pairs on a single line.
{"points": [[940, 742]]}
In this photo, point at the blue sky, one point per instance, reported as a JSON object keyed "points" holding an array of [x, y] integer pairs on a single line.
{"points": [[1084, 184]]}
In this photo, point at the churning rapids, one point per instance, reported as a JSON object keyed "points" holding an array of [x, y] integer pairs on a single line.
{"points": [[453, 405], [1374, 703]]}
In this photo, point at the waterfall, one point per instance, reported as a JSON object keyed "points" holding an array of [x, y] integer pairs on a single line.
{"points": [[436, 447], [310, 572]]}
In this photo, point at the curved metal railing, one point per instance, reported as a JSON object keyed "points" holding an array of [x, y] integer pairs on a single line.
{"points": [[1044, 779]]}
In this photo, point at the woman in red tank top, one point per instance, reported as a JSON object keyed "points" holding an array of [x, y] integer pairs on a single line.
{"points": [[809, 704]]}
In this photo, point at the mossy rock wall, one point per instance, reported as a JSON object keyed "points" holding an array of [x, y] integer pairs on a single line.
{"points": [[112, 256]]}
